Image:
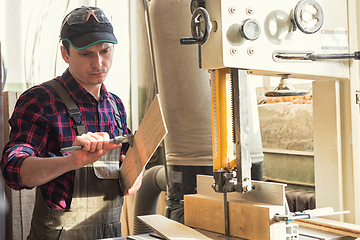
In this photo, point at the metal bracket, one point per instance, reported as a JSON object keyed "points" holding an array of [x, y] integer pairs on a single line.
{"points": [[310, 56], [241, 129], [224, 181], [357, 96]]}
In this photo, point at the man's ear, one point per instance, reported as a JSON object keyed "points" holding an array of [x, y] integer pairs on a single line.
{"points": [[64, 54]]}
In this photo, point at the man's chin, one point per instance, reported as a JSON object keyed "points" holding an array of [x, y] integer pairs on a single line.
{"points": [[98, 78]]}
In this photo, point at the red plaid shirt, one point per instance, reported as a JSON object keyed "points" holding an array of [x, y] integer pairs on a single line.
{"points": [[41, 126]]}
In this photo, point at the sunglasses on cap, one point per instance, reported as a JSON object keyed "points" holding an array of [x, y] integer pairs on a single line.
{"points": [[82, 15]]}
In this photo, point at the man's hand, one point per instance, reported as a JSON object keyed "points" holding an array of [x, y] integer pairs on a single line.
{"points": [[137, 184], [94, 145], [35, 171]]}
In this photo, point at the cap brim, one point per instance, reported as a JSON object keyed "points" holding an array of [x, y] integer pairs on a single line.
{"points": [[90, 39]]}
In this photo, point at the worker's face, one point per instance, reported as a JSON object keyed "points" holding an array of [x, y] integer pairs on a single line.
{"points": [[91, 65]]}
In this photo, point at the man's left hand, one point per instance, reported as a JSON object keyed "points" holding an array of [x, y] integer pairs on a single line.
{"points": [[137, 184]]}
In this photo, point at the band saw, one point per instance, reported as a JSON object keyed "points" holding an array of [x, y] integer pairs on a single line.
{"points": [[286, 39]]}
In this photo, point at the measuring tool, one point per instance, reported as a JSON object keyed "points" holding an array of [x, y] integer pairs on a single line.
{"points": [[308, 214]]}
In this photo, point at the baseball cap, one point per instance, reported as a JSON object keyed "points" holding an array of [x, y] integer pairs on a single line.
{"points": [[86, 26]]}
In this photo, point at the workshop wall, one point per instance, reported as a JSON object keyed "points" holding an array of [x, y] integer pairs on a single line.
{"points": [[30, 42], [29, 36]]}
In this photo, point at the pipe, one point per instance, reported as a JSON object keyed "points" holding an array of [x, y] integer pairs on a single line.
{"points": [[146, 199]]}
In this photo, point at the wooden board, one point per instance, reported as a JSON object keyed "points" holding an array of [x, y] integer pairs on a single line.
{"points": [[20, 203], [247, 221], [151, 132], [170, 229], [250, 214], [265, 192], [9, 101], [333, 226]]}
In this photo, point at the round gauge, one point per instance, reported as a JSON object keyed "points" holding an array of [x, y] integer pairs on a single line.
{"points": [[308, 16], [251, 29]]}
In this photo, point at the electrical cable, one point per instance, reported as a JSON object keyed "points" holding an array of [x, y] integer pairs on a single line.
{"points": [[29, 81], [151, 47], [3, 73], [40, 17], [26, 40], [152, 59], [58, 42]]}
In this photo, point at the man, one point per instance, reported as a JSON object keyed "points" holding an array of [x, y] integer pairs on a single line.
{"points": [[77, 195]]}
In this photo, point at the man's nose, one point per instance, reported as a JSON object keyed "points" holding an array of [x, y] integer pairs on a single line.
{"points": [[96, 61]]}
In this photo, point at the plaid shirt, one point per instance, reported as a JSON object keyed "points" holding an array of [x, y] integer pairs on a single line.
{"points": [[41, 126]]}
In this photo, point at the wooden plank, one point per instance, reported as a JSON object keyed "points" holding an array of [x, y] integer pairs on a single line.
{"points": [[151, 132], [2, 200], [246, 220], [215, 236], [288, 152], [333, 226], [21, 203], [250, 214], [201, 212], [9, 101], [265, 192], [170, 229]]}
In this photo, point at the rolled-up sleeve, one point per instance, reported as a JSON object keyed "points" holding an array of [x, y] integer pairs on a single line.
{"points": [[10, 165]]}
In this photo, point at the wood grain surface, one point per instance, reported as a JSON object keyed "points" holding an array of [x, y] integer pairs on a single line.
{"points": [[250, 214], [171, 229], [148, 137], [333, 226]]}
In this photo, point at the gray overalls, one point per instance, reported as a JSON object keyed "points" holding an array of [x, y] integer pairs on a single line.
{"points": [[95, 207]]}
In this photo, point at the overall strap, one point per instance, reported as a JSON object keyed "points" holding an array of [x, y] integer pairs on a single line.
{"points": [[71, 106], [73, 109], [117, 116]]}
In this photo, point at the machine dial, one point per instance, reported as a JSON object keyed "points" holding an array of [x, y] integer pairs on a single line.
{"points": [[251, 29], [200, 25], [308, 16]]}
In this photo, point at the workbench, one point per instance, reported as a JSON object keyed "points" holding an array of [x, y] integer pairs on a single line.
{"points": [[304, 234]]}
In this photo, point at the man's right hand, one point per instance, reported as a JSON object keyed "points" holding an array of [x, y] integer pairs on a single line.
{"points": [[35, 171], [94, 145]]}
